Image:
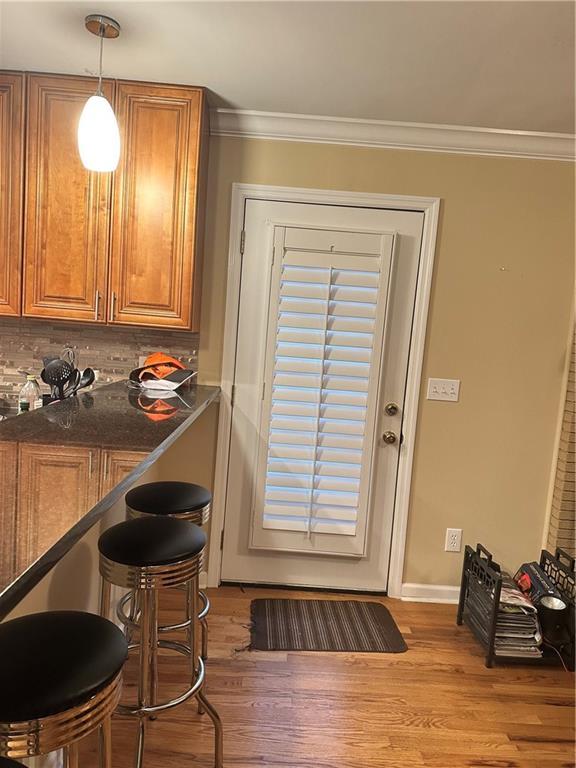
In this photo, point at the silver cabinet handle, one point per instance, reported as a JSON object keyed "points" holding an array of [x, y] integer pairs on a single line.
{"points": [[97, 304], [112, 305]]}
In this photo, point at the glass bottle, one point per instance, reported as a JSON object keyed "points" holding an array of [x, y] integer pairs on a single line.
{"points": [[29, 398]]}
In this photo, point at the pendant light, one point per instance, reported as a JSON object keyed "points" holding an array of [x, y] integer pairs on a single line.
{"points": [[98, 134]]}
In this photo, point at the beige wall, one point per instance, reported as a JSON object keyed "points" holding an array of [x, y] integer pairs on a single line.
{"points": [[501, 295]]}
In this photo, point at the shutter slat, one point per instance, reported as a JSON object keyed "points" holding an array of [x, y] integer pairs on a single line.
{"points": [[347, 293]]}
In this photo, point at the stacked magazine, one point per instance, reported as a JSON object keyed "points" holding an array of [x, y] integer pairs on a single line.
{"points": [[517, 627]]}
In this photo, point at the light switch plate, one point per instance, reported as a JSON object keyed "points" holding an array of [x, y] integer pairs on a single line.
{"points": [[444, 389]]}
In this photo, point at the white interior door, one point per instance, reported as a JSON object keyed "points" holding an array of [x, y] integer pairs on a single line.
{"points": [[327, 295]]}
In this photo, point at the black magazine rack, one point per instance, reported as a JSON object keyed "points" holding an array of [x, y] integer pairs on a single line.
{"points": [[482, 584]]}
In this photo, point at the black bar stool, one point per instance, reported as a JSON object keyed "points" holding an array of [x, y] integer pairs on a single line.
{"points": [[5, 762], [186, 501], [60, 679], [145, 555]]}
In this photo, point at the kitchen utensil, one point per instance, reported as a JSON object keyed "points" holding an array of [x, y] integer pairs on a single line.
{"points": [[73, 383], [70, 356], [87, 378], [57, 374]]}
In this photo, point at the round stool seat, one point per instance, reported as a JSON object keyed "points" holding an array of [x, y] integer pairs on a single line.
{"points": [[168, 498], [55, 661], [148, 541], [6, 762]]}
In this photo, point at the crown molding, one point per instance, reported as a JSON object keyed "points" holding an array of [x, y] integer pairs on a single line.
{"points": [[427, 137]]}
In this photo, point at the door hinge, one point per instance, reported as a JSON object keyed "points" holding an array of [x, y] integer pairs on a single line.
{"points": [[263, 389], [232, 395], [222, 539], [242, 241]]}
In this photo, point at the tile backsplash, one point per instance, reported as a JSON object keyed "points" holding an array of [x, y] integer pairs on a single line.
{"points": [[113, 351]]}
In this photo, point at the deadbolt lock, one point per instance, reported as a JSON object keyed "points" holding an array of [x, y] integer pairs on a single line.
{"points": [[389, 437], [391, 409]]}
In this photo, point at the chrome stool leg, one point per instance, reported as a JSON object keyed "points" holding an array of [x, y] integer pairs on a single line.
{"points": [[204, 623], [204, 632], [153, 649], [192, 595], [71, 755], [105, 595], [105, 738], [218, 731], [147, 614]]}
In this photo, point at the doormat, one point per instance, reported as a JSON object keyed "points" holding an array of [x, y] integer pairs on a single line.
{"points": [[323, 625]]}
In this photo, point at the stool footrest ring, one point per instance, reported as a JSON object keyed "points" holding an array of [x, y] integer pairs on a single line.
{"points": [[195, 688], [131, 624]]}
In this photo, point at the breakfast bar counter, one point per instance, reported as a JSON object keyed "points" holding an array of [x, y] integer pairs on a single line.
{"points": [[62, 467]]}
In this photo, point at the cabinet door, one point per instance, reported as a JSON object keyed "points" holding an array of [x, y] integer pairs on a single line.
{"points": [[116, 465], [57, 486], [155, 276], [67, 207], [11, 158], [8, 480]]}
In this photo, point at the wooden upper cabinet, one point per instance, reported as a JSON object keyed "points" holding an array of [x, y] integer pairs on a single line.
{"points": [[11, 163], [67, 207], [158, 190]]}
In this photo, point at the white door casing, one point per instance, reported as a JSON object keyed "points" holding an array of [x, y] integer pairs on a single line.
{"points": [[415, 220]]}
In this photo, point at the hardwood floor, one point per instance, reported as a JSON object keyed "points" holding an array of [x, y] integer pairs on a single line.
{"points": [[436, 706]]}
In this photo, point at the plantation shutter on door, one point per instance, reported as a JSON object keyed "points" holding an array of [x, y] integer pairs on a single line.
{"points": [[324, 350]]}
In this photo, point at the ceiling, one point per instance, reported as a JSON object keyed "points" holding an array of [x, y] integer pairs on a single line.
{"points": [[506, 65]]}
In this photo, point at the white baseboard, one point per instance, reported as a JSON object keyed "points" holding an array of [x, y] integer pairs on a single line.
{"points": [[430, 593]]}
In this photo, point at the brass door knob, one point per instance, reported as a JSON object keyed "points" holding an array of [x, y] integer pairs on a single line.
{"points": [[391, 409], [389, 437]]}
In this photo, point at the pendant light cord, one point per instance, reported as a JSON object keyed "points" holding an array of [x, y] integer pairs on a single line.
{"points": [[99, 91]]}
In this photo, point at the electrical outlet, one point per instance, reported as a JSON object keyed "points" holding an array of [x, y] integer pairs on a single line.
{"points": [[453, 541], [443, 389]]}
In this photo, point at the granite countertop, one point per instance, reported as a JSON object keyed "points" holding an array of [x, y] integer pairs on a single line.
{"points": [[62, 467]]}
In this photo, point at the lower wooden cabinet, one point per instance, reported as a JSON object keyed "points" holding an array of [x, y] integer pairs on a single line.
{"points": [[46, 489], [116, 465], [8, 484], [56, 487]]}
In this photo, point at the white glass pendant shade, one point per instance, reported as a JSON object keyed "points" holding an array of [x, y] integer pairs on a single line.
{"points": [[98, 135]]}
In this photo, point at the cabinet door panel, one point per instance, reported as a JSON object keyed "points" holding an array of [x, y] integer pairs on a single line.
{"points": [[57, 487], [155, 205], [117, 465], [67, 211], [8, 480], [11, 159]]}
